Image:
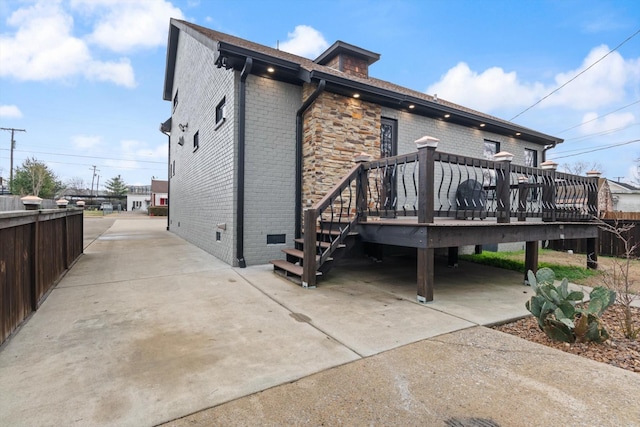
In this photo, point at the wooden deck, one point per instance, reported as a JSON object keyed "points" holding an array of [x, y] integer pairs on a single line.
{"points": [[452, 233]]}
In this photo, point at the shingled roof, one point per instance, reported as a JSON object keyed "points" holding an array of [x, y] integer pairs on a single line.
{"points": [[375, 90]]}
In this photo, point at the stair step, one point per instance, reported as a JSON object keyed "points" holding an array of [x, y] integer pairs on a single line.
{"points": [[289, 267], [323, 245], [298, 253]]}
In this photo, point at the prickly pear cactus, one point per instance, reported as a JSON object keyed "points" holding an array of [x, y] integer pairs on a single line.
{"points": [[555, 309]]}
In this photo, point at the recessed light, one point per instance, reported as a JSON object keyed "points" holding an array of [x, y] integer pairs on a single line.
{"points": [[518, 133], [356, 95], [412, 106], [446, 116], [482, 125], [271, 69]]}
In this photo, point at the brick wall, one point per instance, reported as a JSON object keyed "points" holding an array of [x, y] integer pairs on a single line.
{"points": [[203, 186], [271, 108]]}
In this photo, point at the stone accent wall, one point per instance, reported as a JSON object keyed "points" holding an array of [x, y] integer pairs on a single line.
{"points": [[336, 129]]}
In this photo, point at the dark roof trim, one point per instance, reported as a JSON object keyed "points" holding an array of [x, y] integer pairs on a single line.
{"points": [[389, 98], [226, 52], [341, 47], [169, 70]]}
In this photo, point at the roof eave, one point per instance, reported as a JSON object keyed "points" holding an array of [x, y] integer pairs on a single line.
{"points": [[431, 109]]}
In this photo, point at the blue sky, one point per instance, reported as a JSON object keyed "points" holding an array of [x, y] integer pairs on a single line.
{"points": [[85, 77]]}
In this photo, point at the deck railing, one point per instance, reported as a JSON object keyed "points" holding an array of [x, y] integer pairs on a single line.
{"points": [[36, 248], [428, 184]]}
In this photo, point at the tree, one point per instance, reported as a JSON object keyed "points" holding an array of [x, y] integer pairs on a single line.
{"points": [[116, 186], [76, 184], [581, 168], [35, 178]]}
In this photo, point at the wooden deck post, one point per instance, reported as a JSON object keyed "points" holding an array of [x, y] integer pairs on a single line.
{"points": [[503, 184], [362, 187], [549, 191], [592, 253], [310, 250], [530, 258], [426, 148]]}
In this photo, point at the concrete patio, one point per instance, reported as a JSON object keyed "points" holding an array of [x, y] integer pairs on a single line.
{"points": [[148, 329]]}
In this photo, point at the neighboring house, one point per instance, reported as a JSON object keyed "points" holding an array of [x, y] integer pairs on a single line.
{"points": [[159, 192], [138, 197], [257, 134], [626, 197]]}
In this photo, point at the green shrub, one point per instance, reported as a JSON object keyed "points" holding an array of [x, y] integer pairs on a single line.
{"points": [[158, 210], [558, 316]]}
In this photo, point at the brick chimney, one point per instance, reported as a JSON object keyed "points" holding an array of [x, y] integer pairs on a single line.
{"points": [[348, 58]]}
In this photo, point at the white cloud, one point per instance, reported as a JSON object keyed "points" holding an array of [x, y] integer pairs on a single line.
{"points": [[10, 112], [492, 89], [305, 41], [126, 25], [604, 84], [43, 48], [86, 141], [615, 121]]}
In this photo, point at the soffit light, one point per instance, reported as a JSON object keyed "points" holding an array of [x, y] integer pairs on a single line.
{"points": [[356, 95], [446, 116], [482, 125], [271, 69], [412, 106], [518, 134]]}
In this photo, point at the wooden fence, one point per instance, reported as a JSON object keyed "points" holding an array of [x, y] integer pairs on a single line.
{"points": [[36, 248], [608, 244]]}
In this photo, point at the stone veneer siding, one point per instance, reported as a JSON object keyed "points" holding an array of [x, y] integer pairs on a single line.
{"points": [[336, 129]]}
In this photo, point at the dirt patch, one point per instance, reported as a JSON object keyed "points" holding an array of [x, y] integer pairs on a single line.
{"points": [[617, 350]]}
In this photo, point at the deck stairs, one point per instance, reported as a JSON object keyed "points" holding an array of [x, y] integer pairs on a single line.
{"points": [[333, 242]]}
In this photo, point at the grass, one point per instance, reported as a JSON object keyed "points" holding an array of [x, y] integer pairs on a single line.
{"points": [[510, 261]]}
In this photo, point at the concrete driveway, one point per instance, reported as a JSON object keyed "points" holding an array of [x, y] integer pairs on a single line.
{"points": [[147, 329]]}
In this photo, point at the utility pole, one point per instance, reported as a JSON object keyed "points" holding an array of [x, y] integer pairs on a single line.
{"points": [[13, 147], [92, 178]]}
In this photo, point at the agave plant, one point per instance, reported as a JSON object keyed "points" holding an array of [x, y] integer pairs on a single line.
{"points": [[557, 313]]}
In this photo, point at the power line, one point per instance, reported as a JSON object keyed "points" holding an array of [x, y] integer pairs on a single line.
{"points": [[596, 149], [575, 77], [88, 157], [598, 117]]}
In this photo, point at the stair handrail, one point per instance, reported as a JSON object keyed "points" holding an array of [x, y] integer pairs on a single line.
{"points": [[311, 245]]}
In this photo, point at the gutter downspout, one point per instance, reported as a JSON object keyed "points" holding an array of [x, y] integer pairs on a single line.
{"points": [[246, 70], [546, 148], [299, 114]]}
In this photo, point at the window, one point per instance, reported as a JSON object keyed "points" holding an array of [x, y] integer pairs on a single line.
{"points": [[196, 141], [530, 158], [220, 112], [163, 201], [175, 101], [490, 149]]}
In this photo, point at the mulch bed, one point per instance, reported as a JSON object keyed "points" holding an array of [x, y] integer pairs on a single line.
{"points": [[617, 350]]}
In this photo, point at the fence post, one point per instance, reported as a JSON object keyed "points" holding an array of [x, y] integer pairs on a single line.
{"points": [[549, 212], [310, 250], [503, 184], [362, 187], [426, 149]]}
